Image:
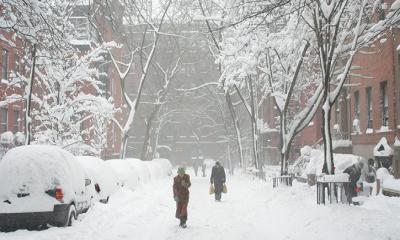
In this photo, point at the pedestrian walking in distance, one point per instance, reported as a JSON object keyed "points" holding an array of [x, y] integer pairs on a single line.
{"points": [[218, 179], [181, 195]]}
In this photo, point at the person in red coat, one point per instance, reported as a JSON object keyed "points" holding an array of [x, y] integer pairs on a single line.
{"points": [[181, 195]]}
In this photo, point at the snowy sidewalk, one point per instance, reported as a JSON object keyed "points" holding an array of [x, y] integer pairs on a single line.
{"points": [[250, 210]]}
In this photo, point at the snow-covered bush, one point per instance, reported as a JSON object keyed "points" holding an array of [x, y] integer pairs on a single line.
{"points": [[101, 174], [127, 174]]}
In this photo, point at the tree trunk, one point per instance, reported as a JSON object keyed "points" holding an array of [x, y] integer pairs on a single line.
{"points": [[124, 144], [236, 126], [328, 167], [149, 126], [253, 127], [28, 119]]}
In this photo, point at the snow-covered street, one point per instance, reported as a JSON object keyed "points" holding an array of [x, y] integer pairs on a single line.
{"points": [[251, 210]]}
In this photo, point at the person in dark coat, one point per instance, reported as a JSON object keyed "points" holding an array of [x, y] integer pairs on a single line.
{"points": [[181, 195], [218, 179], [355, 172]]}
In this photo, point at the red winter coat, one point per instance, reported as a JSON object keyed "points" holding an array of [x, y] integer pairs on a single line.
{"points": [[181, 188]]}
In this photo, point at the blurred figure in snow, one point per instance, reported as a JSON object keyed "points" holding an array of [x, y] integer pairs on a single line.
{"points": [[218, 179], [181, 195], [370, 175]]}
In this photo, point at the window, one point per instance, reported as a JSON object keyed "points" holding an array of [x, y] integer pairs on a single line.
{"points": [[3, 120], [16, 120], [81, 25], [5, 64], [357, 104], [384, 104], [17, 64], [369, 106], [337, 113]]}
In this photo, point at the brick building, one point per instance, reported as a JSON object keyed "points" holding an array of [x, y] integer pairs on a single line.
{"points": [[367, 108], [14, 49], [11, 63], [101, 29]]}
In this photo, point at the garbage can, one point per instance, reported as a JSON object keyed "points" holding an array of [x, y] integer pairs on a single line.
{"points": [[311, 179], [383, 154]]}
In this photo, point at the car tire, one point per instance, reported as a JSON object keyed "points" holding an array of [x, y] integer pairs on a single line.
{"points": [[71, 216]]}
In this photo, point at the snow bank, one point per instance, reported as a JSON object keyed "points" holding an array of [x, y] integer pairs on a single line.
{"points": [[100, 173], [382, 149], [38, 168], [127, 174]]}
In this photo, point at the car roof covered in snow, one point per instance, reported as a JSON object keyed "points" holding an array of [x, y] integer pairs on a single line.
{"points": [[40, 168]]}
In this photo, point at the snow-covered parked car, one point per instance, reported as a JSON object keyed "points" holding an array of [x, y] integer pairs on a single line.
{"points": [[104, 179], [166, 165], [156, 169], [128, 175], [143, 170], [41, 184]]}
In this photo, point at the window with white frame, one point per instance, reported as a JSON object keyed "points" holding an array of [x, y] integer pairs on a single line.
{"points": [[357, 104], [3, 120], [4, 66], [16, 120], [384, 104], [368, 92]]}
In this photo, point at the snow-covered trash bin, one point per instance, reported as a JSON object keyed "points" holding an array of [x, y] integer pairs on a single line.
{"points": [[311, 179], [383, 154], [41, 185], [104, 179]]}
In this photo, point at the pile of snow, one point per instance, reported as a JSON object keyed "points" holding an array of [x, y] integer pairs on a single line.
{"points": [[341, 143], [383, 174], [38, 168], [100, 173], [387, 180], [311, 161], [7, 138], [382, 149], [340, 177], [127, 174]]}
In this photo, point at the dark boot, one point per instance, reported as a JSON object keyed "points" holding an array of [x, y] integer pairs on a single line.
{"points": [[218, 197], [183, 222]]}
